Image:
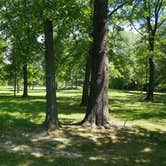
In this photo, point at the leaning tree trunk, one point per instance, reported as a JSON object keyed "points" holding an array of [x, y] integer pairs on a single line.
{"points": [[25, 77], [85, 91], [51, 120], [97, 113]]}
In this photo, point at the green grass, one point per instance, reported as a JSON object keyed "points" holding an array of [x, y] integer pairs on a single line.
{"points": [[23, 143], [130, 106]]}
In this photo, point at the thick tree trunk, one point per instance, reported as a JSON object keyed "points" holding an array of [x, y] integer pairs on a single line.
{"points": [[85, 91], [97, 113], [51, 120], [25, 77]]}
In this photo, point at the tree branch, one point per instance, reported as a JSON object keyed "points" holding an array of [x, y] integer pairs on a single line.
{"points": [[157, 10], [149, 26], [161, 22], [136, 29], [118, 7]]}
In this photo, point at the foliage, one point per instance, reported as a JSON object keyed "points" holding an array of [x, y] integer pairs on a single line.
{"points": [[3, 48], [22, 26]]}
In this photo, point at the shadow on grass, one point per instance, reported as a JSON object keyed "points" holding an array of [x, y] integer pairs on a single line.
{"points": [[140, 147], [129, 106], [27, 112], [134, 107], [136, 114], [118, 147], [20, 113]]}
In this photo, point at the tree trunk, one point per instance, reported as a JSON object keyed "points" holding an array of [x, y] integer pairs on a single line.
{"points": [[76, 83], [150, 89], [15, 83], [18, 86], [25, 77], [85, 91], [51, 120], [86, 84], [97, 113], [152, 20]]}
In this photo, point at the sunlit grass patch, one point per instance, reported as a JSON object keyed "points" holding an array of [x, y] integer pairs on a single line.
{"points": [[130, 106], [125, 106], [24, 143]]}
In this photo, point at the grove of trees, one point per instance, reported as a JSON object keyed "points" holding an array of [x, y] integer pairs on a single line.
{"points": [[59, 43]]}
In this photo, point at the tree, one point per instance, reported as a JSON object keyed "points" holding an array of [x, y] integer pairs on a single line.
{"points": [[67, 37], [149, 15], [97, 110], [3, 48], [152, 20], [51, 108], [86, 84], [21, 30], [85, 91]]}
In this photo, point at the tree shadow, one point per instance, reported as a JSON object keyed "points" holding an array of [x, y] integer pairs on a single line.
{"points": [[133, 107], [17, 110], [8, 121], [125, 147], [115, 147]]}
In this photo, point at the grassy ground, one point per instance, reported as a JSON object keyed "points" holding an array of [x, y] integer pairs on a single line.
{"points": [[141, 142]]}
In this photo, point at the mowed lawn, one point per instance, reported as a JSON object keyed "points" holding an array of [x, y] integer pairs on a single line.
{"points": [[137, 136]]}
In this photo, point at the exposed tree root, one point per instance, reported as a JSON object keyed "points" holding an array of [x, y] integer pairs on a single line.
{"points": [[96, 126], [51, 126]]}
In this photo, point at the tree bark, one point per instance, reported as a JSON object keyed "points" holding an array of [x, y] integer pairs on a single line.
{"points": [[25, 77], [85, 91], [51, 119], [18, 86], [15, 83], [97, 113], [150, 89], [86, 84]]}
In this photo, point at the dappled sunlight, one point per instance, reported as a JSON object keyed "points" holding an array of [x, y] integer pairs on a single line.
{"points": [[147, 150], [117, 145], [136, 137], [38, 151], [132, 108]]}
